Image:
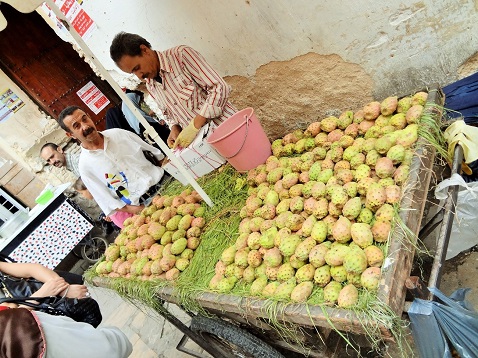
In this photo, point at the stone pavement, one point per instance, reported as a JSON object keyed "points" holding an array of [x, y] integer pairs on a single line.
{"points": [[149, 333]]}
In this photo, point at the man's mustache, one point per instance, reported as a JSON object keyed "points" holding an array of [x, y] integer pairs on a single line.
{"points": [[88, 131]]}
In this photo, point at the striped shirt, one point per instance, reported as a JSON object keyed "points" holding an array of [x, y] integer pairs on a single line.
{"points": [[190, 86], [72, 160]]}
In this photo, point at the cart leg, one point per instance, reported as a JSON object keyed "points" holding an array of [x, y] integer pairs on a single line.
{"points": [[197, 338]]}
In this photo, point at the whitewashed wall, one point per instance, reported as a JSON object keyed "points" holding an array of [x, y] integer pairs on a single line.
{"points": [[402, 45]]}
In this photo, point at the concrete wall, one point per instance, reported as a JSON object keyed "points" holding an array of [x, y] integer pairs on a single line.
{"points": [[398, 43]]}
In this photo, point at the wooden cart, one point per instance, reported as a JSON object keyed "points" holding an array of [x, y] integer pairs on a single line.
{"points": [[318, 324]]}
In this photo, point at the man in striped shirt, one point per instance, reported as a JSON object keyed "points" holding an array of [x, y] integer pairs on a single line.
{"points": [[186, 88]]}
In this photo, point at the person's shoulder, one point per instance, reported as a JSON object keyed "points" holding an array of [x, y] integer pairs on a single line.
{"points": [[112, 132], [179, 49]]}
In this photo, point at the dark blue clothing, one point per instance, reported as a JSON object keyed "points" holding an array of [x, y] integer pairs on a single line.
{"points": [[462, 97]]}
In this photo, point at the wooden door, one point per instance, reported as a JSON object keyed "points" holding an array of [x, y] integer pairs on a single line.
{"points": [[48, 69]]}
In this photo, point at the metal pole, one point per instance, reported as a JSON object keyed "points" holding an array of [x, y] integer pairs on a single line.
{"points": [[149, 130], [447, 223]]}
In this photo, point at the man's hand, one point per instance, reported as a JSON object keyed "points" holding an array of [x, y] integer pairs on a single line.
{"points": [[132, 209], [173, 135], [186, 136]]}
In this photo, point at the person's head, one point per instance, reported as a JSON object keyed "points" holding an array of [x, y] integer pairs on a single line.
{"points": [[77, 124], [133, 54], [81, 188], [53, 155]]}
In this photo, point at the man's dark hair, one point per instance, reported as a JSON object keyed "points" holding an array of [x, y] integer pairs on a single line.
{"points": [[49, 145], [68, 111], [126, 44]]}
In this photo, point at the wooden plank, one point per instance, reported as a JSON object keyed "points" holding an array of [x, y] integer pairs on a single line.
{"points": [[398, 264], [14, 170], [19, 181], [28, 194], [303, 315]]}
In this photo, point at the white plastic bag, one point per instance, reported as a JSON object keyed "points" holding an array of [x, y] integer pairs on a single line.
{"points": [[464, 233]]}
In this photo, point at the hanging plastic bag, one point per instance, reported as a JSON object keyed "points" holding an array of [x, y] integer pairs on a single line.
{"points": [[429, 339], [464, 232], [453, 318]]}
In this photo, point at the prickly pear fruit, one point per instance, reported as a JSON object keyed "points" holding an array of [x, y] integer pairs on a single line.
{"points": [[355, 261], [404, 104], [338, 273], [384, 167], [381, 230], [270, 289], [289, 244], [285, 272], [341, 230], [389, 105], [305, 273], [371, 110], [385, 213], [228, 255], [302, 291], [317, 255], [273, 257], [348, 296], [336, 254], [179, 246], [374, 256], [295, 262], [271, 273], [361, 234], [254, 258], [352, 208], [240, 258], [332, 291], [322, 275], [319, 231], [370, 278], [303, 249], [226, 284], [284, 290], [414, 113]]}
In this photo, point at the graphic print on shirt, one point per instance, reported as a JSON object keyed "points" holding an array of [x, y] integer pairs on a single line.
{"points": [[118, 183]]}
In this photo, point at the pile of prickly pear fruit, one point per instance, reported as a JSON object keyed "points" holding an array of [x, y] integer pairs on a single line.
{"points": [[321, 208], [159, 242]]}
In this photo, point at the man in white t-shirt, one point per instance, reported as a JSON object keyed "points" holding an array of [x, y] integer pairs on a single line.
{"points": [[112, 164]]}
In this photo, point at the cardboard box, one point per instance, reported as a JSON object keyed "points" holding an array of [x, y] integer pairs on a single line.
{"points": [[199, 158]]}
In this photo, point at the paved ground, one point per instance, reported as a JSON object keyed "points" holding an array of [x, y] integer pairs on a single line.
{"points": [[149, 333]]}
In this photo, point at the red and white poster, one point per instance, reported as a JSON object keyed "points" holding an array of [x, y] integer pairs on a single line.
{"points": [[79, 19], [93, 97]]}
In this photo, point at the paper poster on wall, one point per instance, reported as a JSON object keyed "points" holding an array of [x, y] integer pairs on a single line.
{"points": [[9, 104], [93, 97], [79, 19]]}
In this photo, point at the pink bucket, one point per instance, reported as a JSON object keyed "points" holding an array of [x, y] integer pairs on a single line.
{"points": [[241, 140]]}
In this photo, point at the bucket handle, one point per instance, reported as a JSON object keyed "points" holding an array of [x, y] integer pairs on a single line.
{"points": [[245, 137]]}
